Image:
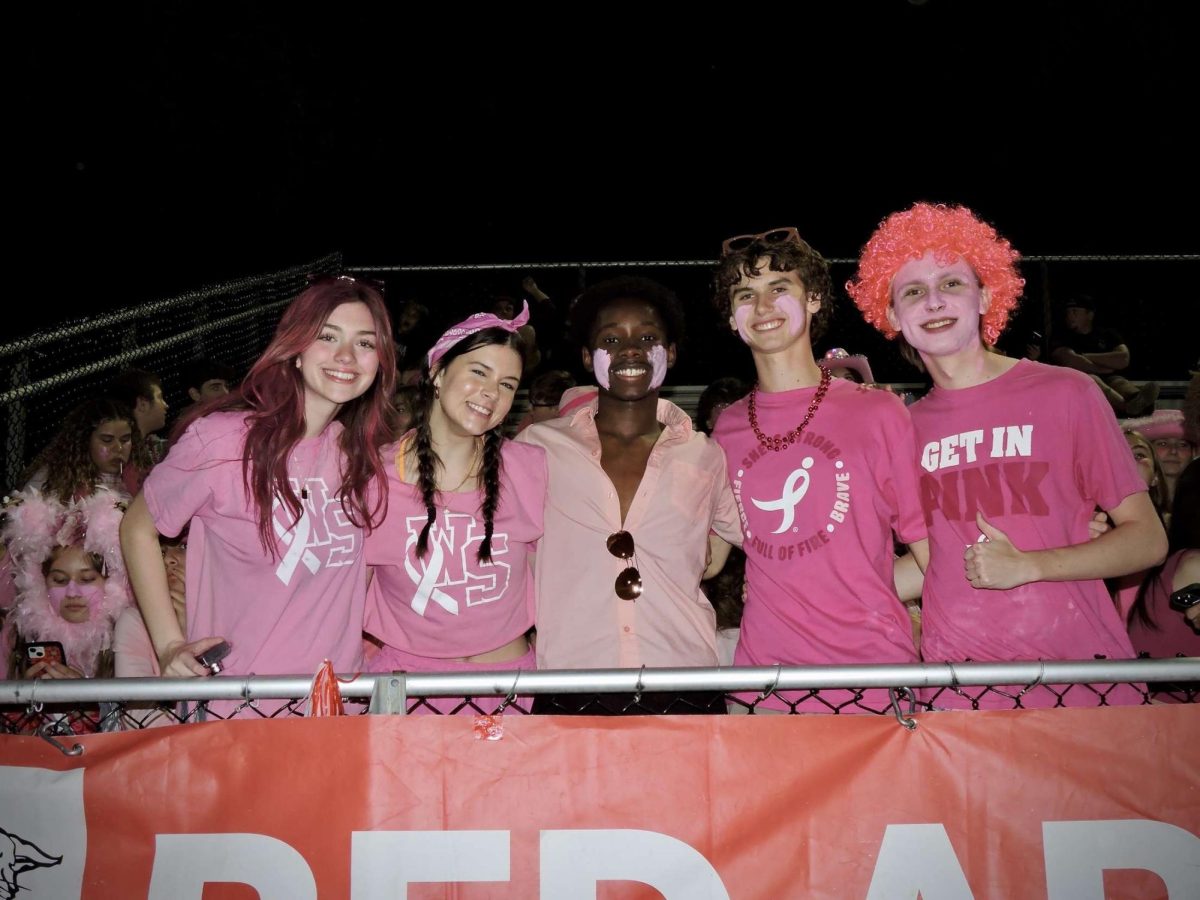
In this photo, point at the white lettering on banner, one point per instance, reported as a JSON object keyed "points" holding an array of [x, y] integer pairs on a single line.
{"points": [[1077, 853], [917, 860], [184, 863], [914, 861], [384, 863], [575, 862]]}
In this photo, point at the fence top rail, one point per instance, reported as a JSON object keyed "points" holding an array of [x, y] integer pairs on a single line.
{"points": [[153, 307], [760, 678], [693, 263]]}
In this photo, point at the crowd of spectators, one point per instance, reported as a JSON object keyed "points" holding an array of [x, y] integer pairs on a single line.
{"points": [[356, 497]]}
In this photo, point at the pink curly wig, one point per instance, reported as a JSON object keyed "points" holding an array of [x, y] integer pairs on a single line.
{"points": [[950, 232], [35, 526]]}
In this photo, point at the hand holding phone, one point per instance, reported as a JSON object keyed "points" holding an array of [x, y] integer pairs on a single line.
{"points": [[45, 652], [211, 658]]}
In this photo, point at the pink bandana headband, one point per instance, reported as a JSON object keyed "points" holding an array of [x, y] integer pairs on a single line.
{"points": [[472, 325]]}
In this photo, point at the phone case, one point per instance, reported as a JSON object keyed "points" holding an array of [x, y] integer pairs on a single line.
{"points": [[45, 651]]}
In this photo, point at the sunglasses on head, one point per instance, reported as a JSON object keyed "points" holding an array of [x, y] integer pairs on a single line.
{"points": [[629, 583], [771, 238]]}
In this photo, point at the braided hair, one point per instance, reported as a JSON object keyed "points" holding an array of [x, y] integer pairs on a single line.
{"points": [[493, 441]]}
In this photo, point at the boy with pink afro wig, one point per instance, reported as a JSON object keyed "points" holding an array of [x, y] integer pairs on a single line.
{"points": [[1013, 457]]}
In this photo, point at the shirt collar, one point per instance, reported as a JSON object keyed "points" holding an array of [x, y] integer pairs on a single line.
{"points": [[677, 424]]}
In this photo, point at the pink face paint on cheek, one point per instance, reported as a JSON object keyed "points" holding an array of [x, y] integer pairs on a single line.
{"points": [[740, 315], [601, 360], [658, 363], [790, 307]]}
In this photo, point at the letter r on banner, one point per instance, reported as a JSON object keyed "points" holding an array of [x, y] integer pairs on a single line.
{"points": [[384, 863], [1077, 853], [184, 863], [917, 859], [573, 862]]}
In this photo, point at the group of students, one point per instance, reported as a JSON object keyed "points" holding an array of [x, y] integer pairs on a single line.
{"points": [[583, 543]]}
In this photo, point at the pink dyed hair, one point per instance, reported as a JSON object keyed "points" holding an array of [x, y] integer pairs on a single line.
{"points": [[273, 394], [950, 232]]}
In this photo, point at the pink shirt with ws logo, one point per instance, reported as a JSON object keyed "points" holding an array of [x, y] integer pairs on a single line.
{"points": [[818, 519], [448, 604], [283, 615]]}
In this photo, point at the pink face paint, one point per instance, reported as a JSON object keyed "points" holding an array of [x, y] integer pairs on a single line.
{"points": [[92, 593], [658, 363], [601, 360], [785, 304]]}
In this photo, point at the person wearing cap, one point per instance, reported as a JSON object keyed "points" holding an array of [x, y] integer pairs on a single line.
{"points": [[634, 493], [1013, 456], [820, 469], [452, 589], [1101, 353], [1165, 431]]}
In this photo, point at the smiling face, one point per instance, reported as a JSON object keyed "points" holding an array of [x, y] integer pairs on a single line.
{"points": [[772, 311], [341, 363], [110, 446], [74, 584], [628, 351], [937, 306], [475, 391]]}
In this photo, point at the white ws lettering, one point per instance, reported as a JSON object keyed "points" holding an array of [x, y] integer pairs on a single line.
{"points": [[450, 570], [965, 447]]}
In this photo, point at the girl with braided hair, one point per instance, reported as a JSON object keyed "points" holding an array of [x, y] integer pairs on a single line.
{"points": [[451, 590]]}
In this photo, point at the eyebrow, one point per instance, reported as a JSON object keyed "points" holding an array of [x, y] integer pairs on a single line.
{"points": [[340, 329]]}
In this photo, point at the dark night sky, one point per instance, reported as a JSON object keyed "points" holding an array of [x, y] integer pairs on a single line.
{"points": [[160, 147]]}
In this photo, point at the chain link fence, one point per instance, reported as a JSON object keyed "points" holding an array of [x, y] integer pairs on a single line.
{"points": [[53, 371], [1129, 290], [63, 708]]}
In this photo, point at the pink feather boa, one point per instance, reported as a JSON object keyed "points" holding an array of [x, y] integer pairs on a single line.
{"points": [[35, 525]]}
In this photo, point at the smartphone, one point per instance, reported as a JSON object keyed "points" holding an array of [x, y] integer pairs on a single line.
{"points": [[44, 651], [1185, 598], [211, 658]]}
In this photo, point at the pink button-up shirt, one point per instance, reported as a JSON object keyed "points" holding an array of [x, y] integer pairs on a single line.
{"points": [[685, 494]]}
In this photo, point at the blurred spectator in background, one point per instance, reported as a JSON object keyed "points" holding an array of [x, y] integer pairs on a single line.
{"points": [[414, 335], [207, 379], [1165, 431], [841, 364], [405, 400], [545, 392], [717, 397], [142, 392], [1102, 354]]}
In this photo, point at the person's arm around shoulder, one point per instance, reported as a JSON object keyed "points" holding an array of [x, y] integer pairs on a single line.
{"points": [[148, 576]]}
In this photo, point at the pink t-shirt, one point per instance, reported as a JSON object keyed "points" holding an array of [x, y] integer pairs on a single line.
{"points": [[818, 519], [450, 604], [1170, 635], [282, 615], [133, 652], [1036, 450]]}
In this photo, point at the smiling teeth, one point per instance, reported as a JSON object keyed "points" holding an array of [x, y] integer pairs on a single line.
{"points": [[630, 373], [483, 411], [768, 326], [340, 376], [939, 324]]}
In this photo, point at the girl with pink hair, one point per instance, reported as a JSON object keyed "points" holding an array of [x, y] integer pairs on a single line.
{"points": [[279, 480]]}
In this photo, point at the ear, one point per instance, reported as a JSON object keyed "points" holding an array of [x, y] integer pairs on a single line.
{"points": [[732, 323], [814, 303], [587, 359], [436, 376], [194, 394], [985, 299], [141, 405], [671, 355], [892, 318], [297, 362]]}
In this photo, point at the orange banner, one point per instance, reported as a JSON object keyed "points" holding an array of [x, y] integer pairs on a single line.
{"points": [[1076, 803]]}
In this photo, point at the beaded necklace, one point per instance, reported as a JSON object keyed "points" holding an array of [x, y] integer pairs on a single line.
{"points": [[779, 442]]}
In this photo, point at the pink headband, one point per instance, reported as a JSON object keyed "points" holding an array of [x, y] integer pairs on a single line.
{"points": [[472, 325]]}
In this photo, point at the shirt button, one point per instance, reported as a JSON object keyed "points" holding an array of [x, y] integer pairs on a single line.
{"points": [[595, 453], [628, 629]]}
